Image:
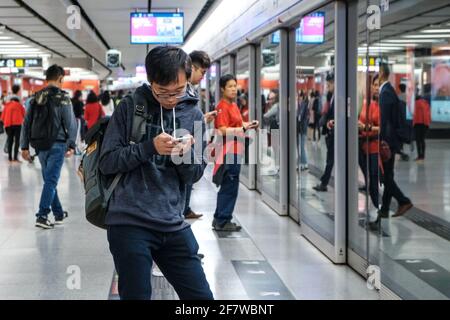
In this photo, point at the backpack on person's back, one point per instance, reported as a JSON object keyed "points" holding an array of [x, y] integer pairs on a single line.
{"points": [[98, 187], [44, 128]]}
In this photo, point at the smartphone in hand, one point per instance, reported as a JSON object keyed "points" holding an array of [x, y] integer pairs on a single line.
{"points": [[183, 139]]}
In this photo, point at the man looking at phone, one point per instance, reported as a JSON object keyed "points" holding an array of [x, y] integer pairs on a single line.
{"points": [[200, 65], [145, 216]]}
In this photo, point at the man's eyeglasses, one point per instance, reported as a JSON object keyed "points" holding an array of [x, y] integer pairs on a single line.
{"points": [[177, 95], [202, 71]]}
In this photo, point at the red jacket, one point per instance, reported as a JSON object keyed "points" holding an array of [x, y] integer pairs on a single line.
{"points": [[92, 113], [13, 114], [422, 113], [373, 120]]}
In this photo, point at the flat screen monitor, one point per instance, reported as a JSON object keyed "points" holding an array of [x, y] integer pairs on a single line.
{"points": [[157, 28], [311, 30]]}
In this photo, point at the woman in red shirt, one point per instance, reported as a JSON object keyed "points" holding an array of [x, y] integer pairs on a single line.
{"points": [[369, 128], [12, 117], [93, 111], [230, 125], [421, 123]]}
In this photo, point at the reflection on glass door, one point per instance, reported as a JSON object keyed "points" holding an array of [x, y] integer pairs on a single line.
{"points": [[213, 81], [404, 127], [315, 134], [246, 104], [270, 173]]}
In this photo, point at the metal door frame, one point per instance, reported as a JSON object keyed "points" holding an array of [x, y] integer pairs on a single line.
{"points": [[337, 252], [279, 205], [250, 182]]}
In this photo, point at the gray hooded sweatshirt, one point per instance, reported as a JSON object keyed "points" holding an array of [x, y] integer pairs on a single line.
{"points": [[152, 192]]}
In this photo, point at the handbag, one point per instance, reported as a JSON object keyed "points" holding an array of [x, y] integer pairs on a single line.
{"points": [[385, 152]]}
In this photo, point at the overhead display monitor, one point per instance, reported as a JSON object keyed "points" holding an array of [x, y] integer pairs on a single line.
{"points": [[157, 28], [311, 30]]}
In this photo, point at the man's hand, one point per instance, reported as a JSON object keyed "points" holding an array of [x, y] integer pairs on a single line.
{"points": [[184, 147], [252, 125], [164, 144], [69, 153], [330, 124], [26, 155], [210, 116]]}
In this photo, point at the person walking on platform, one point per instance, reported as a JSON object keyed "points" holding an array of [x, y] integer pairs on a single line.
{"points": [[390, 115], [421, 122], [50, 128], [78, 110], [12, 116], [145, 220], [93, 110], [327, 121], [232, 129]]}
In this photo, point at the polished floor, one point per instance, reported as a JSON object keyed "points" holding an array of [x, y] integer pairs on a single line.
{"points": [[268, 260]]}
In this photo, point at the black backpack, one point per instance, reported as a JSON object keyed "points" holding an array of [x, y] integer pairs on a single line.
{"points": [[98, 187], [43, 130]]}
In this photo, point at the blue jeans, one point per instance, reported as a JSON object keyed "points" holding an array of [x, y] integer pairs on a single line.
{"points": [[228, 193], [51, 162], [302, 151], [134, 249], [187, 208]]}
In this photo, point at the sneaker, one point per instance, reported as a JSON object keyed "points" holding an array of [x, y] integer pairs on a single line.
{"points": [[229, 226], [156, 272], [60, 220], [320, 188], [44, 223]]}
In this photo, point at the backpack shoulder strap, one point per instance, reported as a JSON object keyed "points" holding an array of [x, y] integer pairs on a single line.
{"points": [[108, 192], [140, 118]]}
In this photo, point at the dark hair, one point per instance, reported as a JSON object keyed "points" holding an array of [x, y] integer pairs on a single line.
{"points": [[163, 64], [201, 59], [106, 98], [375, 78], [92, 97], [276, 92], [77, 95], [402, 87], [385, 68], [330, 77], [224, 80], [54, 72], [15, 89]]}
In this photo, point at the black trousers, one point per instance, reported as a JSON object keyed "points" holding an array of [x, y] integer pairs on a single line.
{"points": [[371, 174], [391, 189], [13, 133], [330, 160], [420, 131]]}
